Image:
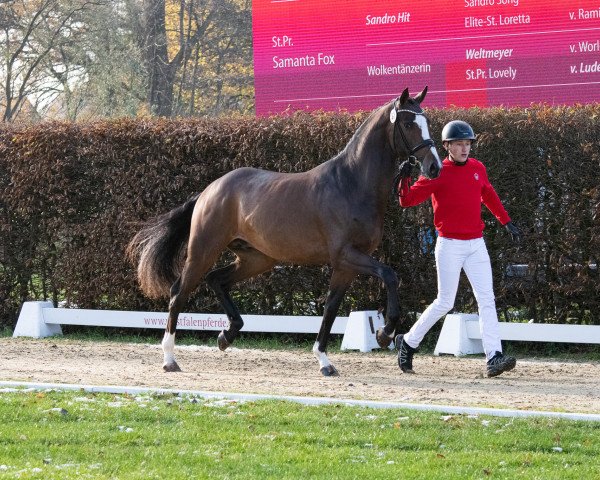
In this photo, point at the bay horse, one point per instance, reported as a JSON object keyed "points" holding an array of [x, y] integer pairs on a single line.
{"points": [[332, 214]]}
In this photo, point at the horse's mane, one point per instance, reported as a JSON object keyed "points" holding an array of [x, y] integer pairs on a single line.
{"points": [[374, 117]]}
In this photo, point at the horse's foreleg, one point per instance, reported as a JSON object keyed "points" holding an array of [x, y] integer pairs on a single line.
{"points": [[385, 334], [340, 281], [363, 263], [249, 263]]}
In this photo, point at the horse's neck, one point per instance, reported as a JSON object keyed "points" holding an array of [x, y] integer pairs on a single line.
{"points": [[369, 157]]}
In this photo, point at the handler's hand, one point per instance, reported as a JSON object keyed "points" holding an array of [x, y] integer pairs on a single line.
{"points": [[515, 232], [405, 169], [404, 172]]}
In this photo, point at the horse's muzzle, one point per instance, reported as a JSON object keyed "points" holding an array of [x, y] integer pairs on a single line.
{"points": [[434, 170], [431, 165]]}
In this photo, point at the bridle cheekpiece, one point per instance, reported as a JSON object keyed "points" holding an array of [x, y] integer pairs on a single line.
{"points": [[411, 151]]}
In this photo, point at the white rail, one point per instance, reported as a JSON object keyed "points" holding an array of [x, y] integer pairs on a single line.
{"points": [[41, 319], [460, 334]]}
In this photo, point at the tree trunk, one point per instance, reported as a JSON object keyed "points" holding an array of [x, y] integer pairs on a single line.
{"points": [[160, 84], [162, 72]]}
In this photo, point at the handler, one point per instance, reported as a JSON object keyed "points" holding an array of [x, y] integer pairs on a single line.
{"points": [[456, 196]]}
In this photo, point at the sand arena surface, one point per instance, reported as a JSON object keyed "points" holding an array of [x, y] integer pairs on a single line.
{"points": [[533, 385]]}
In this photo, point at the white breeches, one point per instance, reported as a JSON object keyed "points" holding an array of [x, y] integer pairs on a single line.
{"points": [[452, 256]]}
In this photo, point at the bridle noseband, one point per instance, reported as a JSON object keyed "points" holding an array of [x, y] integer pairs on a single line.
{"points": [[411, 151]]}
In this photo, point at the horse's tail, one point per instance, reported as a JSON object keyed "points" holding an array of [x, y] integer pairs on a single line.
{"points": [[159, 249]]}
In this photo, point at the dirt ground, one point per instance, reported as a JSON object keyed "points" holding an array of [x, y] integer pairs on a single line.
{"points": [[534, 384]]}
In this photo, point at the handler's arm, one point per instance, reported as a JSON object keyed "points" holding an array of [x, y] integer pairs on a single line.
{"points": [[492, 201], [421, 190]]}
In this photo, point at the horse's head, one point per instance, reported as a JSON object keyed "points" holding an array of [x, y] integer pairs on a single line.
{"points": [[410, 133]]}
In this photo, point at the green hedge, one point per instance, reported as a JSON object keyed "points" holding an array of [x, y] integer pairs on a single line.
{"points": [[72, 195]]}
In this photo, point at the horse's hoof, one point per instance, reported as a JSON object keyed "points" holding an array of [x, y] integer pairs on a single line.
{"points": [[382, 339], [222, 341], [329, 371], [171, 367]]}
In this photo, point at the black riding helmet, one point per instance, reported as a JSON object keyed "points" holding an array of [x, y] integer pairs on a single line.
{"points": [[457, 130]]}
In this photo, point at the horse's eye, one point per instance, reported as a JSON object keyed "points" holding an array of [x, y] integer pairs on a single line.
{"points": [[408, 124]]}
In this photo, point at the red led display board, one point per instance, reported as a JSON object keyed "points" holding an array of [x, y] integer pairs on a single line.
{"points": [[357, 54]]}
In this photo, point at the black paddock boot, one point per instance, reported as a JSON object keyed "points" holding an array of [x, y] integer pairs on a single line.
{"points": [[499, 363], [405, 354]]}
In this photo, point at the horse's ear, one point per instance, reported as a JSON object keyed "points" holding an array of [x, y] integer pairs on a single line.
{"points": [[421, 96], [404, 96]]}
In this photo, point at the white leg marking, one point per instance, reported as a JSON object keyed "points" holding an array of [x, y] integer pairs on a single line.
{"points": [[321, 356], [168, 344], [422, 123]]}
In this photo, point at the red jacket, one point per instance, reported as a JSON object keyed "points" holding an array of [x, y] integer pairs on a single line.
{"points": [[456, 196]]}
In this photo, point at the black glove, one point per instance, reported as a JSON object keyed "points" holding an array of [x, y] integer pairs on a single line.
{"points": [[515, 232], [406, 169], [404, 172]]}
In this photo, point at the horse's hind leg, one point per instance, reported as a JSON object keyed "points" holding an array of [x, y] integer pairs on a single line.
{"points": [[168, 342], [193, 271], [340, 281], [250, 262]]}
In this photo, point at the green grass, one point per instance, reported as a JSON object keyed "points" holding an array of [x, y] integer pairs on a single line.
{"points": [[6, 332], [67, 435]]}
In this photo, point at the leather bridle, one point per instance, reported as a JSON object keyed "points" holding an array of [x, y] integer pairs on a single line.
{"points": [[411, 151]]}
